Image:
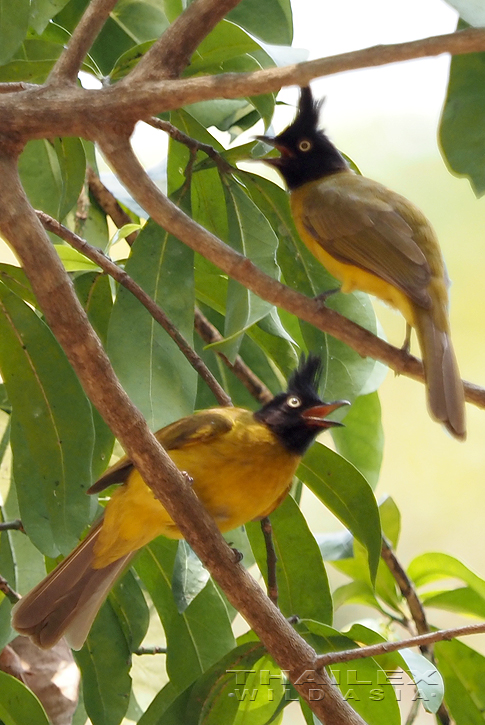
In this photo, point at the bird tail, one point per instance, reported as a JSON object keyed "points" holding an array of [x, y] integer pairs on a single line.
{"points": [[446, 397], [66, 602]]}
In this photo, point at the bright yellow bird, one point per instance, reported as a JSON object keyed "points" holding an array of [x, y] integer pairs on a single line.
{"points": [[241, 464], [374, 240]]}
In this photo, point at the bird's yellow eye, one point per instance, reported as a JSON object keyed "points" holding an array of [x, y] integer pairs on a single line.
{"points": [[293, 401], [304, 145]]}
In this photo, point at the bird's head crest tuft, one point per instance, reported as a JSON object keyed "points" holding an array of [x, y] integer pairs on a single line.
{"points": [[306, 378]]}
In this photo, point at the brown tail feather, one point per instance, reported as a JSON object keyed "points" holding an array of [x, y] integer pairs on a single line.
{"points": [[446, 398], [66, 602]]}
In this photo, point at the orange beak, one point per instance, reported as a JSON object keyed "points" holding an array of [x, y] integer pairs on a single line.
{"points": [[316, 414]]}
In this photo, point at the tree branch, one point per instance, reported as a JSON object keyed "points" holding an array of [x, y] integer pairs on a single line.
{"points": [[109, 203], [42, 112], [87, 30], [99, 258], [374, 650], [10, 593], [120, 155], [172, 51], [68, 321]]}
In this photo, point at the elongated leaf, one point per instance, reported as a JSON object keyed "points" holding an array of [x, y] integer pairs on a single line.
{"points": [[463, 600], [294, 543], [129, 605], [72, 165], [16, 280], [14, 19], [223, 689], [18, 704], [74, 261], [462, 669], [272, 21], [251, 234], [153, 371], [42, 11], [105, 664], [361, 441], [52, 429], [199, 637], [462, 135], [41, 176], [226, 41], [189, 576], [432, 567], [347, 494]]}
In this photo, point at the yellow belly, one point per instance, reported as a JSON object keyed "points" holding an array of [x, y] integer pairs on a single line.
{"points": [[238, 477]]}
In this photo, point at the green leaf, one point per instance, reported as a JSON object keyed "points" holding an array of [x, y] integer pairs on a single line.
{"points": [[153, 371], [41, 176], [52, 429], [199, 637], [462, 134], [18, 704], [189, 576], [293, 541], [16, 280], [72, 165], [463, 600], [271, 21], [462, 669], [226, 41], [390, 520], [361, 441], [73, 260], [14, 21], [224, 689], [347, 494], [251, 234], [44, 10], [432, 567], [427, 678], [105, 664], [129, 605], [94, 293]]}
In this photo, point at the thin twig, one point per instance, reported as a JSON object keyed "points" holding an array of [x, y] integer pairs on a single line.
{"points": [[249, 379], [15, 525], [87, 30], [382, 648], [99, 258], [416, 609], [118, 151], [10, 593], [109, 203], [271, 559], [190, 142], [150, 651]]}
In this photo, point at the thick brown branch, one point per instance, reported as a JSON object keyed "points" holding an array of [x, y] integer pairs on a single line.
{"points": [[249, 379], [87, 30], [172, 52], [122, 159], [99, 258], [42, 113], [21, 227], [374, 650]]}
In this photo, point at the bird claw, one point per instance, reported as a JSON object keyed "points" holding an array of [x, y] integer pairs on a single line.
{"points": [[323, 296]]}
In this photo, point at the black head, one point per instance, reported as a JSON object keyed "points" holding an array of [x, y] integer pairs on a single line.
{"points": [[297, 416], [306, 153]]}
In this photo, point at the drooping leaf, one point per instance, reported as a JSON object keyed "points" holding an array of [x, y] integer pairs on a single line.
{"points": [[189, 576], [72, 165], [462, 135], [431, 567], [153, 371], [347, 494], [272, 22], [293, 541], [129, 605], [42, 11], [52, 429]]}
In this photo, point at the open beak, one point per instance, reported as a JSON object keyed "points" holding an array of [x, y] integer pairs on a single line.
{"points": [[316, 415], [277, 160]]}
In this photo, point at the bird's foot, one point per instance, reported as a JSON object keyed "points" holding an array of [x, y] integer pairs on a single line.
{"points": [[323, 296]]}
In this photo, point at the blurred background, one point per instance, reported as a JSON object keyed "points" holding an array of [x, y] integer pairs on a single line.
{"points": [[386, 119]]}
